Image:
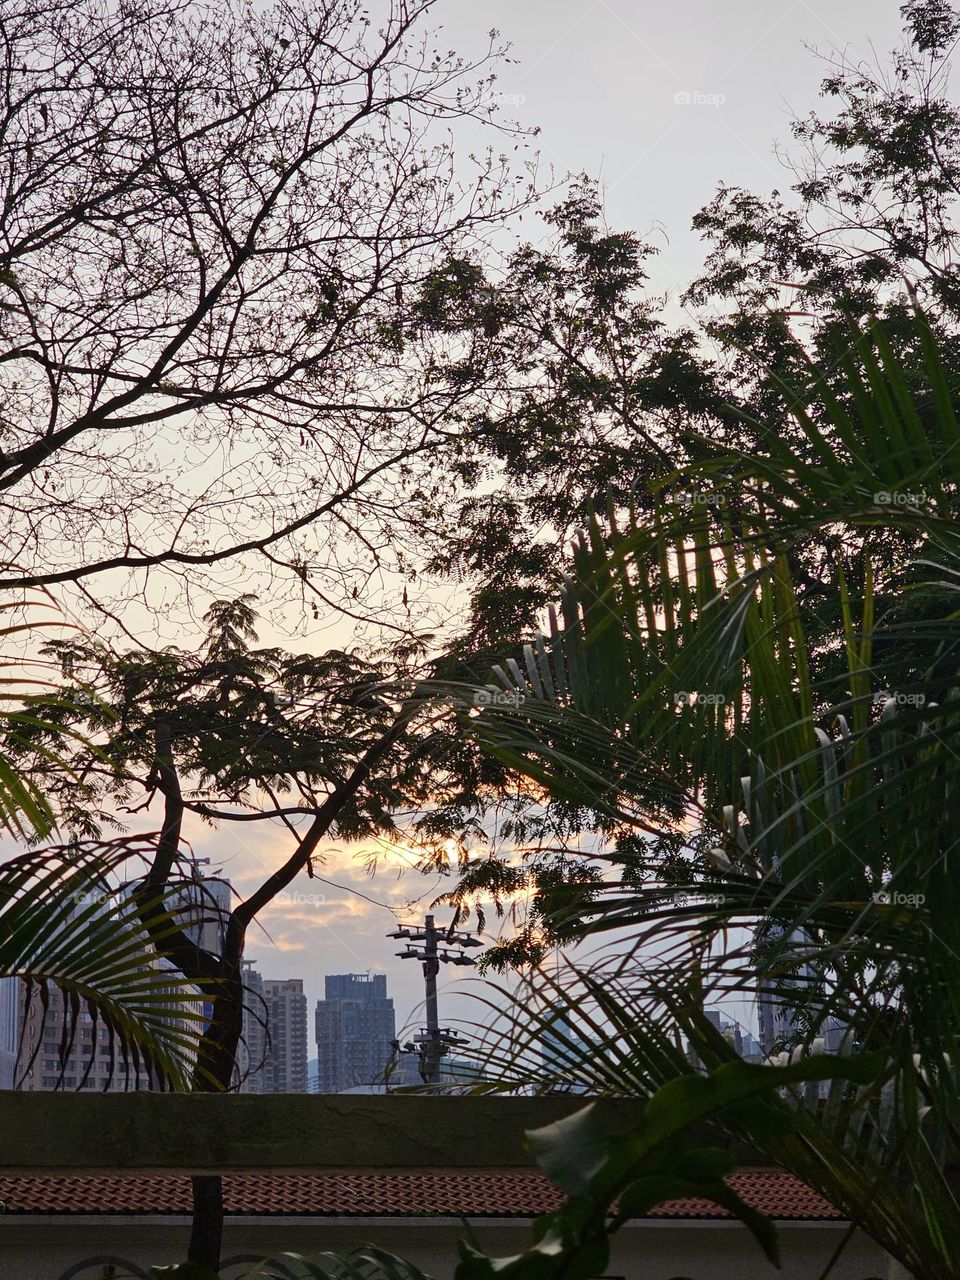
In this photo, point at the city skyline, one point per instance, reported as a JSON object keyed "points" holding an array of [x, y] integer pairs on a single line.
{"points": [[273, 1054]]}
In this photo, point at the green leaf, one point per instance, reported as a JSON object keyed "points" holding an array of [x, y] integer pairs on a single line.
{"points": [[691, 1099], [571, 1151]]}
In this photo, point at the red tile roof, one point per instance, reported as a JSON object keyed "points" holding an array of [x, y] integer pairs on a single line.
{"points": [[507, 1195]]}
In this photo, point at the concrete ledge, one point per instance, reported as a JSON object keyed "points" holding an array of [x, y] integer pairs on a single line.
{"points": [[75, 1133]]}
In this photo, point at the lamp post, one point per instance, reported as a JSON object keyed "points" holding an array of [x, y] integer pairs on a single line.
{"points": [[433, 1041]]}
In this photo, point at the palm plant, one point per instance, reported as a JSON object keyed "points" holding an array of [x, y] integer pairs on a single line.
{"points": [[25, 812], [62, 922], [366, 1263], [767, 664]]}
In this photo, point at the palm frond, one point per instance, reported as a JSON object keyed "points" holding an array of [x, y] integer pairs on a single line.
{"points": [[65, 925], [742, 663]]}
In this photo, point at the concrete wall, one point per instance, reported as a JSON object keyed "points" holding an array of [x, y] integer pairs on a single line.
{"points": [[44, 1248], [46, 1134], [51, 1133]]}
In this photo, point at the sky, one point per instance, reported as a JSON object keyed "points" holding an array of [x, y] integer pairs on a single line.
{"points": [[660, 103]]}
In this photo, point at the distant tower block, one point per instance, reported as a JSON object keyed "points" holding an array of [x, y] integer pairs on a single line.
{"points": [[355, 1026]]}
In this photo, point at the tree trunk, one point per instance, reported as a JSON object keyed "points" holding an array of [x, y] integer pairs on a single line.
{"points": [[216, 1058], [221, 978], [206, 1236]]}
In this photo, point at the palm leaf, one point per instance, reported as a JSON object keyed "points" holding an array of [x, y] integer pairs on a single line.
{"points": [[64, 924], [702, 685]]}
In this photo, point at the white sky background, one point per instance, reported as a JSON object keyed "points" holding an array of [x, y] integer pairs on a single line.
{"points": [[600, 78]]}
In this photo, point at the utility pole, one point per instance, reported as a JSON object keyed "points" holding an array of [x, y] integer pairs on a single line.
{"points": [[433, 1041]]}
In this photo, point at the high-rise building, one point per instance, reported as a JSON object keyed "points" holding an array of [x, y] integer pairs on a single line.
{"points": [[94, 1057], [202, 907], [737, 1036], [731, 1031], [286, 1065], [272, 1057], [561, 1053], [63, 1049], [250, 1074], [355, 1026], [776, 1012], [9, 1029], [92, 1061], [751, 1049]]}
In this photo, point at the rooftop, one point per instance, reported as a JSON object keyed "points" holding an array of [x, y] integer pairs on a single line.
{"points": [[520, 1194]]}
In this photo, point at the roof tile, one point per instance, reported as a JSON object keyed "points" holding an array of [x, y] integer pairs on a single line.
{"points": [[523, 1195]]}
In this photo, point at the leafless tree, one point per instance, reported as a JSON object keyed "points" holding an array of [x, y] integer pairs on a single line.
{"points": [[216, 224]]}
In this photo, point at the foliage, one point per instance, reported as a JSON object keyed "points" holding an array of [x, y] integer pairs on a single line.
{"points": [[256, 733], [596, 397], [871, 212], [220, 224], [366, 1263], [689, 655], [770, 578], [592, 393], [326, 744], [610, 1178], [817, 759], [611, 1024], [63, 923], [25, 810]]}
